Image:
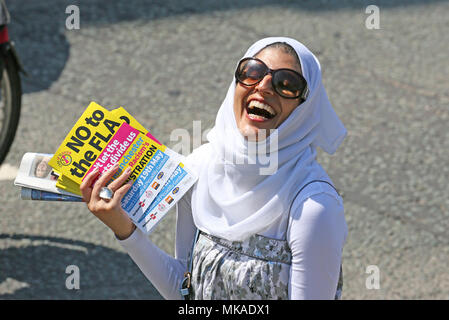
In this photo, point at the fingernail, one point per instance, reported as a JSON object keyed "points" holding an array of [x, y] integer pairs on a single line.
{"points": [[128, 170], [95, 170], [113, 167]]}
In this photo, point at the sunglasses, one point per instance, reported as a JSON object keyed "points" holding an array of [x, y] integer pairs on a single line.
{"points": [[286, 82]]}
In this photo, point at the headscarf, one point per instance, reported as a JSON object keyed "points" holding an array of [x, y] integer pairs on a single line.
{"points": [[232, 199]]}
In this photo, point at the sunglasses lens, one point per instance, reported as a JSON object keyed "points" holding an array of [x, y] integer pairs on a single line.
{"points": [[288, 84], [249, 72]]}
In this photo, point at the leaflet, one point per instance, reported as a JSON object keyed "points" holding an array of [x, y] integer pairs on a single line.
{"points": [[121, 115], [151, 166], [68, 185], [179, 183], [124, 115], [85, 141], [146, 187]]}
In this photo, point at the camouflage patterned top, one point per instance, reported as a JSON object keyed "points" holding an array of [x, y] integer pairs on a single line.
{"points": [[255, 269]]}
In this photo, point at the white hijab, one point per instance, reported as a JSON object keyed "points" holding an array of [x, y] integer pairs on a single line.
{"points": [[231, 199]]}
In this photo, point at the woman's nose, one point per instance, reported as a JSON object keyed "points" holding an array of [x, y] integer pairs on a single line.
{"points": [[265, 85]]}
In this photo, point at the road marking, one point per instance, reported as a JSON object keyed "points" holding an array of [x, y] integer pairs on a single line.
{"points": [[10, 286], [8, 172]]}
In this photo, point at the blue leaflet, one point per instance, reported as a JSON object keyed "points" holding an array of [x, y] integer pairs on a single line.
{"points": [[144, 180], [174, 179]]}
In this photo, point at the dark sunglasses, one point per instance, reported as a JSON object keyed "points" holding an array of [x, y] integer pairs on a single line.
{"points": [[286, 82]]}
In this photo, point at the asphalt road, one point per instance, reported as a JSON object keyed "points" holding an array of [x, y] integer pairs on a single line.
{"points": [[170, 63]]}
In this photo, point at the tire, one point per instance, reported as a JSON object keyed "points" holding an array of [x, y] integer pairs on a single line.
{"points": [[10, 103]]}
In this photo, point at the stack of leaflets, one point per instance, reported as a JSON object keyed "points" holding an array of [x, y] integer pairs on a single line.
{"points": [[100, 139]]}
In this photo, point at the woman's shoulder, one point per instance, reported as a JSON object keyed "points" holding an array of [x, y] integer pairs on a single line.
{"points": [[321, 193], [320, 209]]}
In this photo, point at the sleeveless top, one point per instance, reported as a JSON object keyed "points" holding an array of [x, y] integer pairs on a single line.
{"points": [[257, 268]]}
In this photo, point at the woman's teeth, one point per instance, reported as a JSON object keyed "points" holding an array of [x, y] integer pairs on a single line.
{"points": [[260, 111]]}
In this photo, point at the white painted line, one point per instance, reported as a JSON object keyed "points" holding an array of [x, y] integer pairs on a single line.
{"points": [[8, 172], [10, 285]]}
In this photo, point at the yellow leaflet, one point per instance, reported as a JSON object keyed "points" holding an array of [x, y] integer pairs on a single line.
{"points": [[124, 115], [129, 119], [68, 185], [85, 142]]}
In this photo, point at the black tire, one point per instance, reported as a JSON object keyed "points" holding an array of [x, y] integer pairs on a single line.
{"points": [[10, 103]]}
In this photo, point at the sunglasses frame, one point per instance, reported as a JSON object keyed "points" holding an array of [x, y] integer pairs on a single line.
{"points": [[304, 94]]}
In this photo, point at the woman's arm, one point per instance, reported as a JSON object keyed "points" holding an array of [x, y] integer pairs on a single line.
{"points": [[162, 270], [316, 236]]}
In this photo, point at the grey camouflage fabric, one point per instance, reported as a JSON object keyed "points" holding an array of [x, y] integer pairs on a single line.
{"points": [[255, 269]]}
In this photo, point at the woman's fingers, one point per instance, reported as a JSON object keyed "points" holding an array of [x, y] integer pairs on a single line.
{"points": [[86, 185], [117, 183], [120, 192], [109, 212], [101, 182]]}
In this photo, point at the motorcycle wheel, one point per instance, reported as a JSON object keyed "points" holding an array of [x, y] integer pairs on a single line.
{"points": [[10, 103]]}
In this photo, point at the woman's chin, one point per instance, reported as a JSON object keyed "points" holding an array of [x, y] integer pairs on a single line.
{"points": [[255, 128], [254, 132]]}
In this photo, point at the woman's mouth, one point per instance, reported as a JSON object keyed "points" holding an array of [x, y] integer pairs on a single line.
{"points": [[259, 111]]}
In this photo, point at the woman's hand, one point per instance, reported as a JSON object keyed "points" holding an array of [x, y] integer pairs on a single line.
{"points": [[109, 212]]}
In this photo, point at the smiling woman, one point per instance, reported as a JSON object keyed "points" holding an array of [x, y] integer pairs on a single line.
{"points": [[242, 234]]}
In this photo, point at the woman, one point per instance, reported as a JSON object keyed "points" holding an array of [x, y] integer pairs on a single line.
{"points": [[261, 236]]}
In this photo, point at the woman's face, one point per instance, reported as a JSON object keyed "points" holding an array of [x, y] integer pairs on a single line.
{"points": [[247, 97]]}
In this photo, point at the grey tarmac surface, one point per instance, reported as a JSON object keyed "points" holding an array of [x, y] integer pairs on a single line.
{"points": [[170, 63]]}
